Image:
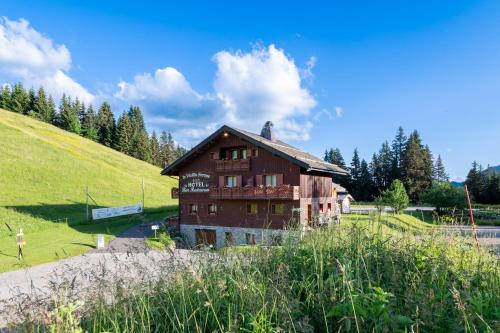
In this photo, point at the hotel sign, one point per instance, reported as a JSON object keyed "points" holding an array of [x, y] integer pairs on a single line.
{"points": [[195, 182]]}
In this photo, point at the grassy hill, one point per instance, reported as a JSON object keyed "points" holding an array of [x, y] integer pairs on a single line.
{"points": [[43, 175]]}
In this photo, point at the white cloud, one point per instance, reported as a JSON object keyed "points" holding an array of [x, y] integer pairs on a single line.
{"points": [[167, 85], [249, 89], [261, 85], [32, 58]]}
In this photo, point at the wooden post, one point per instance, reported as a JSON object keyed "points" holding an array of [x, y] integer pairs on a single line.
{"points": [[474, 232], [143, 195], [87, 200]]}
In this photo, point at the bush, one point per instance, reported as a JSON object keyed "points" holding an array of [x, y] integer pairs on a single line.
{"points": [[161, 242], [395, 197], [445, 197]]}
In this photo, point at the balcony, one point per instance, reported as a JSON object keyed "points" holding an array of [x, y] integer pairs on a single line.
{"points": [[232, 165], [283, 192]]}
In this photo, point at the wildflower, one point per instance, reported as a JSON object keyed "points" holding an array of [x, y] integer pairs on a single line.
{"points": [[207, 304]]}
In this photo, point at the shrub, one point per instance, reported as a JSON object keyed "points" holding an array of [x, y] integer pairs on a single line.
{"points": [[395, 196], [444, 197]]}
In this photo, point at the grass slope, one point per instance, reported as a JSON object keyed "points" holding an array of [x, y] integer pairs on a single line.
{"points": [[43, 174]]}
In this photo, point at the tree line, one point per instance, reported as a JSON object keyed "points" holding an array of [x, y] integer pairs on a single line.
{"points": [[406, 159], [127, 135], [483, 184]]}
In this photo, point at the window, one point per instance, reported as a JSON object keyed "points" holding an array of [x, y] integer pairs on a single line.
{"points": [[270, 180], [231, 181], [243, 154], [212, 156], [250, 239], [234, 154], [252, 208], [229, 239], [278, 209], [212, 209], [321, 208], [329, 207], [255, 152], [193, 209]]}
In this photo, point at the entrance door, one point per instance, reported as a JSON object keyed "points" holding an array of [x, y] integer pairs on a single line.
{"points": [[206, 237]]}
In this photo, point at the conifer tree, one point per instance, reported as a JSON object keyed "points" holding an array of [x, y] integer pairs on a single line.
{"points": [[106, 125], [439, 172], [5, 97], [398, 149], [42, 109], [154, 147], [124, 134], [140, 139], [416, 167], [166, 148], [30, 108], [363, 189], [19, 98], [90, 129], [68, 117], [354, 169]]}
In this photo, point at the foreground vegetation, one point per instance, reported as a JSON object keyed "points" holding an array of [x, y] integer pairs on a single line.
{"points": [[363, 276], [43, 175]]}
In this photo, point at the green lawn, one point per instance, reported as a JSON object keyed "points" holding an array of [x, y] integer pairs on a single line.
{"points": [[43, 175]]}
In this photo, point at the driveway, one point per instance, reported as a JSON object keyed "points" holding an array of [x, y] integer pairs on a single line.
{"points": [[126, 259]]}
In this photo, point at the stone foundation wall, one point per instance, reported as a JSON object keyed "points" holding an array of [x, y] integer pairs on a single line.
{"points": [[262, 236]]}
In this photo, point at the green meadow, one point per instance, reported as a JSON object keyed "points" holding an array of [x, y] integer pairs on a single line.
{"points": [[44, 172]]}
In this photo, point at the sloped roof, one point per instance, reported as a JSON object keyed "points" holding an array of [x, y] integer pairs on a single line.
{"points": [[339, 188], [301, 158]]}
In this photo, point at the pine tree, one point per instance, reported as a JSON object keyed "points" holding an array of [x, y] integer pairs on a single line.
{"points": [[473, 181], [140, 139], [90, 129], [30, 108], [416, 167], [364, 189], [124, 134], [166, 151], [42, 109], [376, 171], [439, 172], [354, 171], [19, 98], [154, 147], [68, 117], [398, 149], [106, 125], [326, 157], [385, 159], [5, 97]]}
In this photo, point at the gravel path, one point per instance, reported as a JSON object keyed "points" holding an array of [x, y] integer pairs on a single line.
{"points": [[126, 259]]}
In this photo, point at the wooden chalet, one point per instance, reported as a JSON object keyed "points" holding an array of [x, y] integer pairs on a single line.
{"points": [[238, 187]]}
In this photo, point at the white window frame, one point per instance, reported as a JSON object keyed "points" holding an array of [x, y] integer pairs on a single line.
{"points": [[231, 181]]}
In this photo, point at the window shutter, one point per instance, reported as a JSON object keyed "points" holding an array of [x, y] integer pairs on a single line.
{"points": [[258, 180], [238, 181], [221, 181], [279, 179]]}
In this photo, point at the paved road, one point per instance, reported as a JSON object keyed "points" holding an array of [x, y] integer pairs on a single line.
{"points": [[132, 240]]}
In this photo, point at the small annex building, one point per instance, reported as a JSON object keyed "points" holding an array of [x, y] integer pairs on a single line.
{"points": [[238, 187]]}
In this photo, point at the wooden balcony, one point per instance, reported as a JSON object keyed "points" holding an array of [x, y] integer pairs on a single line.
{"points": [[232, 165], [283, 192]]}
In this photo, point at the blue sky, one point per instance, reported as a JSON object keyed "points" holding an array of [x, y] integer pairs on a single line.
{"points": [[339, 74]]}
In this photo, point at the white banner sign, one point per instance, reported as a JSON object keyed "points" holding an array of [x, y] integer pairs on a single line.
{"points": [[104, 213]]}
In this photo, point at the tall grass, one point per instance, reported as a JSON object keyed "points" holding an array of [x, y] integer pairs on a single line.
{"points": [[351, 278]]}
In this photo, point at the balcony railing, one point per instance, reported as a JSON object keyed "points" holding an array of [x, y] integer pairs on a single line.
{"points": [[232, 165], [286, 192]]}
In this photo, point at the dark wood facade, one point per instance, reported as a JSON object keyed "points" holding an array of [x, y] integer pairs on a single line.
{"points": [[231, 182]]}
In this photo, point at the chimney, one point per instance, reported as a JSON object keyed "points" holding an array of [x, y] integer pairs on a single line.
{"points": [[267, 131]]}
